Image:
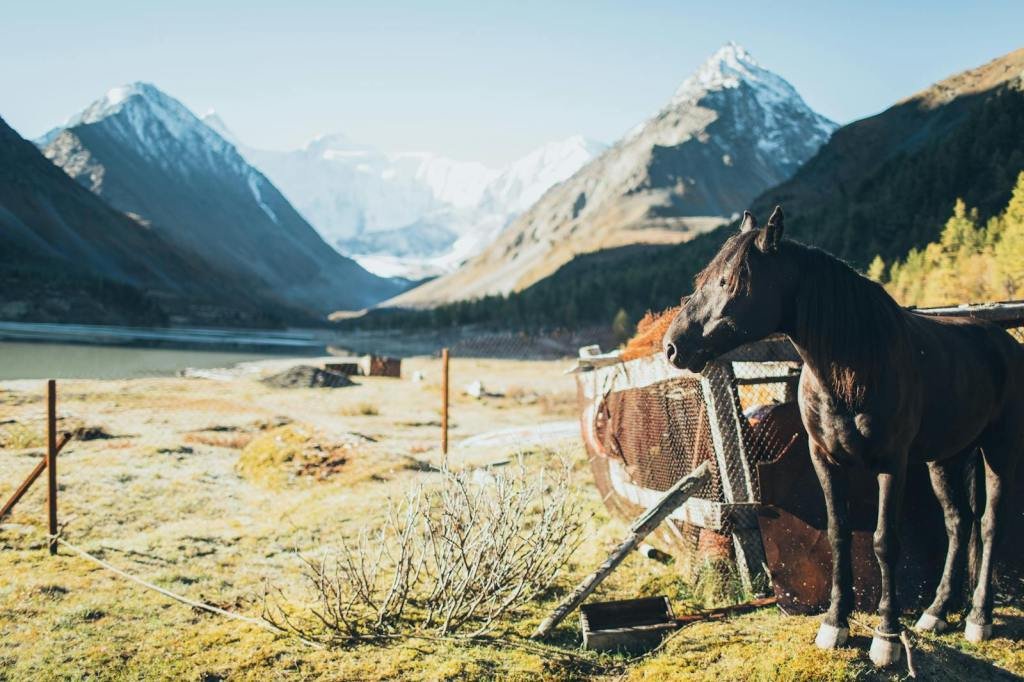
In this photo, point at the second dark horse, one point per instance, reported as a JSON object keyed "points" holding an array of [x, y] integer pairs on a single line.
{"points": [[880, 386]]}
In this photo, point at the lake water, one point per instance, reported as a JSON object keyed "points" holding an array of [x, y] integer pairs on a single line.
{"points": [[31, 350], [20, 360]]}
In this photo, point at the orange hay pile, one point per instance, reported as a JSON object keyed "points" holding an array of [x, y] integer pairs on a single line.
{"points": [[649, 333]]}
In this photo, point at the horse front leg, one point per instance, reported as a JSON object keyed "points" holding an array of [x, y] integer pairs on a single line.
{"points": [[835, 628], [885, 645]]}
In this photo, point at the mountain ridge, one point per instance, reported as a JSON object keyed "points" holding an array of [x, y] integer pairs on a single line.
{"points": [[880, 185], [67, 256], [147, 155], [731, 130]]}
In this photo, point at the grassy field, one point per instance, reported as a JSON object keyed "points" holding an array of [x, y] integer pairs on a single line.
{"points": [[206, 487]]}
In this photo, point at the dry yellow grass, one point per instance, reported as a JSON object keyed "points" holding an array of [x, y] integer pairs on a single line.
{"points": [[190, 522]]}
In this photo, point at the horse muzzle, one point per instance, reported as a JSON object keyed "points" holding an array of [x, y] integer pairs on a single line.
{"points": [[692, 359]]}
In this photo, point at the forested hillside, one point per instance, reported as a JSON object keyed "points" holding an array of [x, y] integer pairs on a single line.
{"points": [[881, 186], [970, 262]]}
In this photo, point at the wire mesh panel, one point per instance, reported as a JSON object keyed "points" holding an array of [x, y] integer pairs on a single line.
{"points": [[647, 425], [660, 433]]}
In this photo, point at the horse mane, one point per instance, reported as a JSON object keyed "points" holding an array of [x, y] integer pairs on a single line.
{"points": [[731, 263], [843, 320]]}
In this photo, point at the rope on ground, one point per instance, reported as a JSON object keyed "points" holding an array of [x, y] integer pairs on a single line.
{"points": [[184, 600]]}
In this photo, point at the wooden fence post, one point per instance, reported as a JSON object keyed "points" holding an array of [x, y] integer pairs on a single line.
{"points": [[444, 403], [51, 460]]}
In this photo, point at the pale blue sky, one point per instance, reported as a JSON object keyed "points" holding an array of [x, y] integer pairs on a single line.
{"points": [[472, 79]]}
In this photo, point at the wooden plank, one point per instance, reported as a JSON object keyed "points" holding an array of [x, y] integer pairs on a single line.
{"points": [[1007, 314], [696, 511], [23, 488], [641, 528]]}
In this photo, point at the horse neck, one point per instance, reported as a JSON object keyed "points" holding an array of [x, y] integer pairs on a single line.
{"points": [[841, 323]]}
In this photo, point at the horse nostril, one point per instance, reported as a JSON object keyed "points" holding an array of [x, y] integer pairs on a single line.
{"points": [[670, 351]]}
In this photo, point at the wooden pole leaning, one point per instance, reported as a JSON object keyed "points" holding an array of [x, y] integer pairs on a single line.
{"points": [[671, 500], [30, 479]]}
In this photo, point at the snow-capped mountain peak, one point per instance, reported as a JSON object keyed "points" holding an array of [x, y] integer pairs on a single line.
{"points": [[155, 119], [729, 65], [732, 66], [164, 131]]}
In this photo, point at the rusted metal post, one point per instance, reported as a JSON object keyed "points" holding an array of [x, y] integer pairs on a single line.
{"points": [[444, 402], [51, 460]]}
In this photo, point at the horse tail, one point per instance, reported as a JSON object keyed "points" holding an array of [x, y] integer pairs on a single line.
{"points": [[974, 475]]}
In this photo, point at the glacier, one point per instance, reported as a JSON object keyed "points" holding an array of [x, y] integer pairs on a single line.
{"points": [[409, 214]]}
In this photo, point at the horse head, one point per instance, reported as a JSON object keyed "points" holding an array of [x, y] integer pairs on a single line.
{"points": [[739, 297]]}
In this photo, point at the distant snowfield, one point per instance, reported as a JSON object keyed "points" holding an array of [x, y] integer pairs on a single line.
{"points": [[351, 192]]}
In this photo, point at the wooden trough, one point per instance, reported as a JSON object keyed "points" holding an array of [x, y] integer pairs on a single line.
{"points": [[630, 625], [647, 424]]}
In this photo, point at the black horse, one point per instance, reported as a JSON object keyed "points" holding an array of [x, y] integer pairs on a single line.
{"points": [[880, 385]]}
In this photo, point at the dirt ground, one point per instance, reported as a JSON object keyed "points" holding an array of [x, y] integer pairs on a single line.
{"points": [[159, 490]]}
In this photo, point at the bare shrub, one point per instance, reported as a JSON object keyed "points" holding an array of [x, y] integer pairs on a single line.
{"points": [[449, 560]]}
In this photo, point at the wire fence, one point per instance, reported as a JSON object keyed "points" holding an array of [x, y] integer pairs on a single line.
{"points": [[644, 425]]}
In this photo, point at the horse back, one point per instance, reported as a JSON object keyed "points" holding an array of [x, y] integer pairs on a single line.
{"points": [[970, 372]]}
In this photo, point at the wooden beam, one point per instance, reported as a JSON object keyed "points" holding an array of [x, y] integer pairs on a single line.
{"points": [[739, 484], [641, 528]]}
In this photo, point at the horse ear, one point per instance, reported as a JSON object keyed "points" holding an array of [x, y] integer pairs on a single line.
{"points": [[748, 223], [768, 240]]}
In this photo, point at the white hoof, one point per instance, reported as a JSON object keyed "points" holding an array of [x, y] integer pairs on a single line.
{"points": [[976, 632], [830, 637], [929, 623], [885, 651]]}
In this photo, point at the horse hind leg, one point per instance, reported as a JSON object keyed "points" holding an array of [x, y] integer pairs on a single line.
{"points": [[1000, 450], [950, 486]]}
